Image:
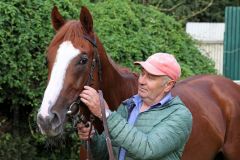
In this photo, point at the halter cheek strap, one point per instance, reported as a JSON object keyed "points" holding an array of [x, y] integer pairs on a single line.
{"points": [[96, 58]]}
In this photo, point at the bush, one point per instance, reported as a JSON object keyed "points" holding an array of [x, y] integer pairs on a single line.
{"points": [[25, 148], [24, 35], [16, 148], [132, 32]]}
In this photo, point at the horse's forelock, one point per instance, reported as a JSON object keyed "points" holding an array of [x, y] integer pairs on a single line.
{"points": [[71, 31]]}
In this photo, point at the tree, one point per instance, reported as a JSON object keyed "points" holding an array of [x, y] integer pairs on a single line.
{"points": [[193, 10]]}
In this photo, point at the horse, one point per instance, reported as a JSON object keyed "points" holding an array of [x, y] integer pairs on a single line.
{"points": [[76, 57], [214, 102]]}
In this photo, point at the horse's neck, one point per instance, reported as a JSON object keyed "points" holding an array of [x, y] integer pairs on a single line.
{"points": [[117, 88], [116, 85]]}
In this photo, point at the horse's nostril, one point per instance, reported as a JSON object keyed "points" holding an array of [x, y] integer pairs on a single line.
{"points": [[56, 121]]}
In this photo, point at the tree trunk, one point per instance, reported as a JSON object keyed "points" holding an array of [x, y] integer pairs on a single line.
{"points": [[145, 2], [16, 125]]}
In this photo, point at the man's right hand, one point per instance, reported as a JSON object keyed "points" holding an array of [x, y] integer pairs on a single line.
{"points": [[83, 131]]}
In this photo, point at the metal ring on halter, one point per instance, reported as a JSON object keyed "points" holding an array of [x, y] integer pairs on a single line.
{"points": [[70, 110]]}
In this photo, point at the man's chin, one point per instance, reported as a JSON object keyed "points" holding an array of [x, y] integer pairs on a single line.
{"points": [[141, 94]]}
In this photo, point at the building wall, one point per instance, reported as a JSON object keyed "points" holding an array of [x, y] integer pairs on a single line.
{"points": [[213, 51], [209, 37]]}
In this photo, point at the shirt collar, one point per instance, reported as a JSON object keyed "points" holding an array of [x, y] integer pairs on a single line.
{"points": [[165, 99], [138, 100]]}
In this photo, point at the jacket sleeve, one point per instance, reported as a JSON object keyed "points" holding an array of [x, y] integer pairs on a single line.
{"points": [[170, 134], [98, 147], [98, 142]]}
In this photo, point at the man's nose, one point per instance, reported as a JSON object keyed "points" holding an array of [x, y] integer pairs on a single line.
{"points": [[142, 79]]}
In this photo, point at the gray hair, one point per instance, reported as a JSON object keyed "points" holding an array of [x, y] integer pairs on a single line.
{"points": [[166, 79]]}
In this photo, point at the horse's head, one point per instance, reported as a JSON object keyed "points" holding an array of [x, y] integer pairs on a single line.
{"points": [[71, 61]]}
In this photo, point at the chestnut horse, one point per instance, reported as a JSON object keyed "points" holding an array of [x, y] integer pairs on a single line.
{"points": [[76, 56]]}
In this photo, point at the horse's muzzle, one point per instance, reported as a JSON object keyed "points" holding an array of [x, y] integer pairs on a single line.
{"points": [[49, 125]]}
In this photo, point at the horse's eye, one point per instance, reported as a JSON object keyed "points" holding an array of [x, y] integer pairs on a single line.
{"points": [[83, 60]]}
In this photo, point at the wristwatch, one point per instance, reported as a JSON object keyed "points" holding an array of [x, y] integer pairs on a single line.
{"points": [[108, 112]]}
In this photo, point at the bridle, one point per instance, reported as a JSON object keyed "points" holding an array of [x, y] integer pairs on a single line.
{"points": [[74, 108]]}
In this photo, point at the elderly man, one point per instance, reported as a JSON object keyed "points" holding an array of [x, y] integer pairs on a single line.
{"points": [[150, 125]]}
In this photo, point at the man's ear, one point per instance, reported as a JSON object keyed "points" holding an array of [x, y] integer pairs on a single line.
{"points": [[57, 19], [169, 85]]}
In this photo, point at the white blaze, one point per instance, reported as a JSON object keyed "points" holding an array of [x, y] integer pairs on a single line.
{"points": [[65, 54]]}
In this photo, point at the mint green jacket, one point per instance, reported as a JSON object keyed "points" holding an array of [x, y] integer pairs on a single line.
{"points": [[159, 133]]}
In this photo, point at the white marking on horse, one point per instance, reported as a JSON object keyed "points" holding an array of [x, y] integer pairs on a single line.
{"points": [[65, 54]]}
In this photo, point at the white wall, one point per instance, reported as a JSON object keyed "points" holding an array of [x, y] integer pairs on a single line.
{"points": [[213, 51], [209, 37]]}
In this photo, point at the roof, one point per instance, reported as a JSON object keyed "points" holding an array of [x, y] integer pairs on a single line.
{"points": [[206, 32]]}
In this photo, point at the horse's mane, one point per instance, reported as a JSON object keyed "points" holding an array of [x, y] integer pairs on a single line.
{"points": [[121, 70]]}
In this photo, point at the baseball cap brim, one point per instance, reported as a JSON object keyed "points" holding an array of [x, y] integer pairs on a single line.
{"points": [[150, 68]]}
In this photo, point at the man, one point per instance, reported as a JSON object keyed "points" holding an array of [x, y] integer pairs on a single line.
{"points": [[150, 125]]}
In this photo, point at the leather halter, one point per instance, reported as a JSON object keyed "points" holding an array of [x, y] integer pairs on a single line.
{"points": [[74, 109]]}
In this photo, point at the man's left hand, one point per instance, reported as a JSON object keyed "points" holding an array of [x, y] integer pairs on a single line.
{"points": [[90, 97]]}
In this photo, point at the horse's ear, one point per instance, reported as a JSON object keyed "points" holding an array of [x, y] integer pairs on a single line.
{"points": [[86, 19], [57, 19]]}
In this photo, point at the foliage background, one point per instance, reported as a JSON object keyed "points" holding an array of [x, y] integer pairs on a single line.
{"points": [[192, 10], [130, 35], [129, 32]]}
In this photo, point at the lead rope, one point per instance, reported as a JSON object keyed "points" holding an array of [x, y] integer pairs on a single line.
{"points": [[104, 119], [89, 157]]}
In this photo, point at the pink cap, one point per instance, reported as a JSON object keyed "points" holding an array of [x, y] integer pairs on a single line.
{"points": [[162, 64]]}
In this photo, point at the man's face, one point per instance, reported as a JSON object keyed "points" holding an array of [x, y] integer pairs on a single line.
{"points": [[151, 87]]}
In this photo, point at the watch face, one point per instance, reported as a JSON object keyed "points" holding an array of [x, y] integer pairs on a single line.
{"points": [[107, 112]]}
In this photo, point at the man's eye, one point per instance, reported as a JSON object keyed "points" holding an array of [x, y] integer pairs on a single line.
{"points": [[151, 77]]}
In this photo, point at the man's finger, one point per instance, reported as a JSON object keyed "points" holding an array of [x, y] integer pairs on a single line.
{"points": [[80, 125], [85, 96], [83, 137], [90, 89], [85, 101]]}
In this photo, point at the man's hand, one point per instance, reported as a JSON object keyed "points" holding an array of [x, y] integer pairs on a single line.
{"points": [[83, 131], [90, 97]]}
